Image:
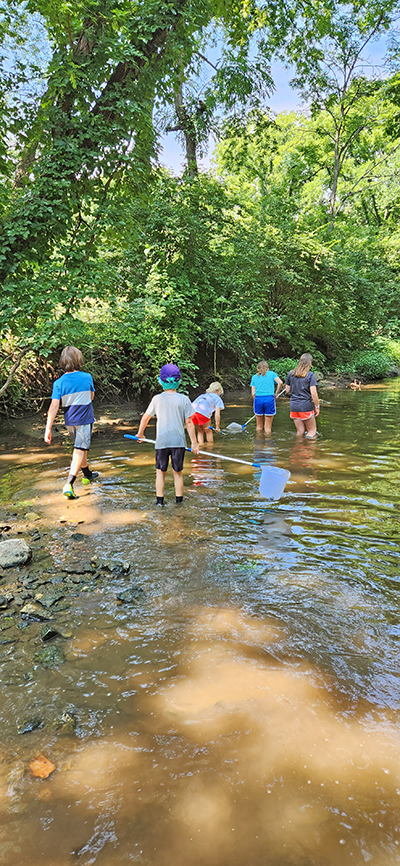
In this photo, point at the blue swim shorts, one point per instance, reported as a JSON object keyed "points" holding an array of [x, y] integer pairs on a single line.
{"points": [[264, 406]]}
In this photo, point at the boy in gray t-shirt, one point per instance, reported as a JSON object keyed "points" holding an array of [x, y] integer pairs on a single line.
{"points": [[173, 412]]}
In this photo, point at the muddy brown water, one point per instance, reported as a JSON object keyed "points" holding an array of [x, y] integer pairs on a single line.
{"points": [[246, 709]]}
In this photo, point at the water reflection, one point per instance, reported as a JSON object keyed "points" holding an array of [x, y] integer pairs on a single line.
{"points": [[207, 472]]}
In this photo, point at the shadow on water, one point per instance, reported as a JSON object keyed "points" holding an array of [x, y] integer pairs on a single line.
{"points": [[244, 708]]}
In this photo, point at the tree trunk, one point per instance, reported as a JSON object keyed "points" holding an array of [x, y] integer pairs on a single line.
{"points": [[187, 127], [77, 143], [336, 172]]}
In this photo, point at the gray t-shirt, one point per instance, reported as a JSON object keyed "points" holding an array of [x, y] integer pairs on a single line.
{"points": [[300, 395], [171, 410]]}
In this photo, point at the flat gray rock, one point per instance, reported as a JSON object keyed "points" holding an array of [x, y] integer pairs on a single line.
{"points": [[13, 552], [35, 611], [50, 598]]}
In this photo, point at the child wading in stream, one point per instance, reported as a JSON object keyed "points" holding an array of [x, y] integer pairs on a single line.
{"points": [[173, 412], [301, 384], [75, 391], [204, 406], [264, 394]]}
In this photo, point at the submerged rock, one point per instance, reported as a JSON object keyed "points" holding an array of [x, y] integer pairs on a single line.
{"points": [[66, 723], [130, 595], [116, 566], [28, 724], [65, 631], [13, 552], [8, 637], [3, 602], [47, 632], [78, 568], [60, 606], [50, 656]]}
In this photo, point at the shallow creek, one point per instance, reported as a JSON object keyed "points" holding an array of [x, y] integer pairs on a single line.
{"points": [[245, 708]]}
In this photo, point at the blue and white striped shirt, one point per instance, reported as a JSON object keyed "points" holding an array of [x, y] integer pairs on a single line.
{"points": [[74, 390]]}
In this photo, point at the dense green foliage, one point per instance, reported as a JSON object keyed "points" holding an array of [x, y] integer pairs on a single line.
{"points": [[291, 244]]}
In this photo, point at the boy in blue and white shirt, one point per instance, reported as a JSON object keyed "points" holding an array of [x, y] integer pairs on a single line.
{"points": [[75, 391]]}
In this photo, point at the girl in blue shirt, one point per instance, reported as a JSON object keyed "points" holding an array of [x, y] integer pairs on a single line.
{"points": [[264, 394]]}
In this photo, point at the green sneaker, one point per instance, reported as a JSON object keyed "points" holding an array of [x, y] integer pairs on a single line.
{"points": [[68, 491], [89, 480]]}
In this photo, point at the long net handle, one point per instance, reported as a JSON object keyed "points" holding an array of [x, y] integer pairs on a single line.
{"points": [[206, 453], [248, 422]]}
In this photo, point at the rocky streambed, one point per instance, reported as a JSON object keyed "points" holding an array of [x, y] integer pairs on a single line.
{"points": [[39, 605]]}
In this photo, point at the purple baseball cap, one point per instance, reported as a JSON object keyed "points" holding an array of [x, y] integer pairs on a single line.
{"points": [[170, 372]]}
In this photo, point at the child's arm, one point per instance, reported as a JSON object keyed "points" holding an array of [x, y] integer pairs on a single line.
{"points": [[217, 418], [279, 384], [253, 391], [143, 424], [51, 415], [192, 433]]}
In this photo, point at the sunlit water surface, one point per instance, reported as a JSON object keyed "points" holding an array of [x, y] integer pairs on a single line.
{"points": [[246, 709]]}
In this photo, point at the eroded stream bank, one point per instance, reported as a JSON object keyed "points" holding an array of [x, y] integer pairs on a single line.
{"points": [[242, 705]]}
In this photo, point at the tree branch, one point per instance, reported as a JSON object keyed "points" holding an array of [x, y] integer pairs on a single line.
{"points": [[14, 368], [206, 60]]}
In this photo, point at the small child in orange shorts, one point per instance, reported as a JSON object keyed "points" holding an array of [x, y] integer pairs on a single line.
{"points": [[205, 405]]}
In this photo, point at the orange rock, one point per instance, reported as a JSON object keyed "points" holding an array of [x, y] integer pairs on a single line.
{"points": [[41, 767]]}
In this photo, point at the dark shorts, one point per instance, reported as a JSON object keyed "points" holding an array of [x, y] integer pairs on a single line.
{"points": [[177, 457], [264, 406]]}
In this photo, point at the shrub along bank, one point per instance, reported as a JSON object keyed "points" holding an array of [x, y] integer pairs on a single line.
{"points": [[119, 377]]}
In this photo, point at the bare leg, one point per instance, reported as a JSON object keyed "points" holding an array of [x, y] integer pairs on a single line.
{"points": [[300, 426], [268, 419], [178, 482], [311, 426], [200, 434], [160, 482], [260, 423], [209, 434], [79, 461]]}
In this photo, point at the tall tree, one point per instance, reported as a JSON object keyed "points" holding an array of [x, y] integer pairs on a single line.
{"points": [[332, 75]]}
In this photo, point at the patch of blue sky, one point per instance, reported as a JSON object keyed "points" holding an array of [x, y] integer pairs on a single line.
{"points": [[284, 98]]}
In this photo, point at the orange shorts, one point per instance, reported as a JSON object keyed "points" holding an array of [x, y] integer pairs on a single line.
{"points": [[304, 416], [200, 420]]}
